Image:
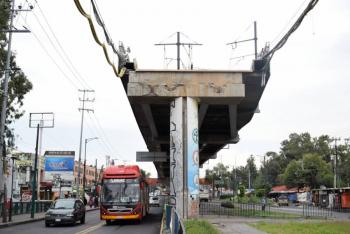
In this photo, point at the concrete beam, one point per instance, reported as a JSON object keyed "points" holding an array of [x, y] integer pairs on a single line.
{"points": [[186, 83]]}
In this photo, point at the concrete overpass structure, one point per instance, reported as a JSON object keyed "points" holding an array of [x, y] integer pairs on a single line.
{"points": [[187, 116]]}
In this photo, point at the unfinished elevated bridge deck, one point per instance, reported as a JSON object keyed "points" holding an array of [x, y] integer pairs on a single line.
{"points": [[227, 101]]}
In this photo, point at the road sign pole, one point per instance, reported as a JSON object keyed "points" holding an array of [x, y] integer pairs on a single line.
{"points": [[34, 172]]}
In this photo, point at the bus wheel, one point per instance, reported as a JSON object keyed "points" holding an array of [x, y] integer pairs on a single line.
{"points": [[108, 222]]}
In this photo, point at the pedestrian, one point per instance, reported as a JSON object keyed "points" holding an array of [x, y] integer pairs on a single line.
{"points": [[263, 203], [85, 200], [96, 202], [91, 201]]}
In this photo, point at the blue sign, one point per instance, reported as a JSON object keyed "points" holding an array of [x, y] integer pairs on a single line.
{"points": [[59, 164]]}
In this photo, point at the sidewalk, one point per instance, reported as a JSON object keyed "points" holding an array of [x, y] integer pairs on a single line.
{"points": [[25, 218], [233, 226]]}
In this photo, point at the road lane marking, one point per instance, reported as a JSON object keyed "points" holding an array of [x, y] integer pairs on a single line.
{"points": [[90, 229]]}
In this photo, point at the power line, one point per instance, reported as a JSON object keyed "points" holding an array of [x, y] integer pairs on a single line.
{"points": [[295, 26], [289, 21], [59, 53], [53, 60], [78, 75], [99, 126]]}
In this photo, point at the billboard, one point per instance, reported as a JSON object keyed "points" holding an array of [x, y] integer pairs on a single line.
{"points": [[59, 165]]}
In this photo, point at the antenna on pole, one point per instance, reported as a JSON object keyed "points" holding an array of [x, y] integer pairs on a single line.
{"points": [[178, 44]]}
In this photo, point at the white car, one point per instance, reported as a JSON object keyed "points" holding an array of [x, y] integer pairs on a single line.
{"points": [[154, 201]]}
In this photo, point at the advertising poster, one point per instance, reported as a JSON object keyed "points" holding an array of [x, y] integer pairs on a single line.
{"points": [[59, 166]]}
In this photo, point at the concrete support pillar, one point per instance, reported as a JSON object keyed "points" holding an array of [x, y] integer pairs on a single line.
{"points": [[184, 157]]}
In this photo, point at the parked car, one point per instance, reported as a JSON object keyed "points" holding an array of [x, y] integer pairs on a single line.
{"points": [[204, 195], [283, 200], [65, 211], [154, 201]]}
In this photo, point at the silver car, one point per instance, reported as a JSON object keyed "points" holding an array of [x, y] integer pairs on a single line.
{"points": [[65, 211]]}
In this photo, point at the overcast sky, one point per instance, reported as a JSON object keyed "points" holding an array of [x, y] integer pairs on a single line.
{"points": [[308, 88]]}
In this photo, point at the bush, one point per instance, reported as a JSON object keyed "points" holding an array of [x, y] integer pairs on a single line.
{"points": [[260, 193], [226, 196], [227, 204]]}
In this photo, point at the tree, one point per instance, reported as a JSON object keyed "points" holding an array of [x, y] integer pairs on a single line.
{"points": [[296, 146], [310, 171], [293, 175], [18, 85], [251, 170]]}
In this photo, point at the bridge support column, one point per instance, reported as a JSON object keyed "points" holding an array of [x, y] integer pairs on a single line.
{"points": [[184, 157]]}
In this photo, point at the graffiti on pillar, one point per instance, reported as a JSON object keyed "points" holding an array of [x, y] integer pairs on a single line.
{"points": [[195, 135], [175, 150], [192, 149]]}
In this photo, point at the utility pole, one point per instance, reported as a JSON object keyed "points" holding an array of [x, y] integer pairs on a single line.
{"points": [[255, 39], [178, 43], [10, 30], [83, 109], [335, 158]]}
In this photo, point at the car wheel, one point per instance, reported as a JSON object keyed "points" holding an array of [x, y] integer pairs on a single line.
{"points": [[108, 222], [82, 220], [47, 224]]}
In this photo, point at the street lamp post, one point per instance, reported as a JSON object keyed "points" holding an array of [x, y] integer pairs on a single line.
{"points": [[87, 140]]}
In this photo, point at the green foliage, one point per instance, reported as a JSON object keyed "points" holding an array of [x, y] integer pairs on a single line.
{"points": [[310, 228], [311, 171], [241, 189], [226, 196], [194, 226], [18, 85], [303, 161], [260, 193]]}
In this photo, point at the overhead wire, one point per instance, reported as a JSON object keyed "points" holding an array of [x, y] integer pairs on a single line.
{"points": [[104, 134], [289, 21], [117, 72], [73, 69], [294, 27], [58, 52], [107, 146], [101, 142], [52, 59]]}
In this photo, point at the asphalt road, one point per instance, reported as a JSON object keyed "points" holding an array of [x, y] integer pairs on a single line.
{"points": [[150, 224]]}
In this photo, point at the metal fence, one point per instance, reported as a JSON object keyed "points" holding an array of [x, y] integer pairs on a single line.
{"points": [[260, 210], [19, 208], [173, 222]]}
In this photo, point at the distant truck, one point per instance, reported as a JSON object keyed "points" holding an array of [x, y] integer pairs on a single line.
{"points": [[204, 195]]}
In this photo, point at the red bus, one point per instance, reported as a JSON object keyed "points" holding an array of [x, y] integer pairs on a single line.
{"points": [[124, 194]]}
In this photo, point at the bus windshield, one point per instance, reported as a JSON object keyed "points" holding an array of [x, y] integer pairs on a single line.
{"points": [[121, 191]]}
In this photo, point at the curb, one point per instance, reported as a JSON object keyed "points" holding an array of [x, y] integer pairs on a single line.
{"points": [[9, 224]]}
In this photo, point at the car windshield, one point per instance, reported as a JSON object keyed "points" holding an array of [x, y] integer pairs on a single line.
{"points": [[63, 204], [121, 191]]}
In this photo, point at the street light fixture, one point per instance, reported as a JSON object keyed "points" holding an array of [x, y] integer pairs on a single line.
{"points": [[87, 140]]}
